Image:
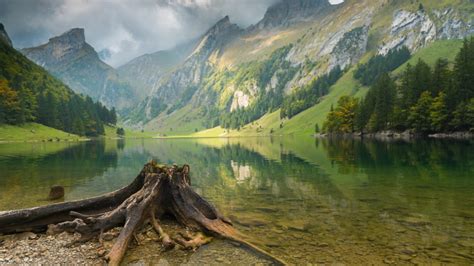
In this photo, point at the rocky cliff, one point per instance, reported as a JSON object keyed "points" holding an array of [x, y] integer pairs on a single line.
{"points": [[224, 72], [145, 72], [70, 58], [174, 90], [287, 12], [4, 35]]}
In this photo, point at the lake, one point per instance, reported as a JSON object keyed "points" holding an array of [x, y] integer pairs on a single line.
{"points": [[305, 200]]}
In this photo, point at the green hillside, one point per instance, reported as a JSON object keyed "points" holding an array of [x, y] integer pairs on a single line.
{"points": [[28, 93], [304, 123], [33, 132]]}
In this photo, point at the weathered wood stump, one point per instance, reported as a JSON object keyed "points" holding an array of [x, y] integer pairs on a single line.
{"points": [[156, 191]]}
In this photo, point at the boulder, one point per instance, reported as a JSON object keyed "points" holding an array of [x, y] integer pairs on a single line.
{"points": [[56, 192]]}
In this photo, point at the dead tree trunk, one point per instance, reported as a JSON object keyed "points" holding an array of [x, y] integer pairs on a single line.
{"points": [[156, 191]]}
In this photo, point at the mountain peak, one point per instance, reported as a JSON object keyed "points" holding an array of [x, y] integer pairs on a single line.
{"points": [[73, 36], [64, 47], [286, 12], [4, 35], [222, 25], [217, 36]]}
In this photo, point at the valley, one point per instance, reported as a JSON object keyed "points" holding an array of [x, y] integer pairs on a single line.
{"points": [[272, 132]]}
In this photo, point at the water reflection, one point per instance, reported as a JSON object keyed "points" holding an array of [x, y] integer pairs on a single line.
{"points": [[307, 200]]}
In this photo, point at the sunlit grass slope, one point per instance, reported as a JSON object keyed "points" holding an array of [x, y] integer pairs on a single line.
{"points": [[33, 132]]}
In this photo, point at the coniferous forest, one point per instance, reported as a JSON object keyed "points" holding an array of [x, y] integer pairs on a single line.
{"points": [[30, 94], [422, 98]]}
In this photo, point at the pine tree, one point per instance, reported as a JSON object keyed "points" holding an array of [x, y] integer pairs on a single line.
{"points": [[470, 114], [419, 116], [460, 117], [464, 72], [316, 128], [385, 92], [439, 113], [441, 77]]}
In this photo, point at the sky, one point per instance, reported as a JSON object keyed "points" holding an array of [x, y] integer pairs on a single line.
{"points": [[124, 28]]}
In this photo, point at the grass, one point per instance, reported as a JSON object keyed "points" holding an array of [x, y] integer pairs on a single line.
{"points": [[447, 49], [304, 123], [33, 132], [184, 121]]}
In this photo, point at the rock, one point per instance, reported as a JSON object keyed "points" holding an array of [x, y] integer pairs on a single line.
{"points": [[405, 257], [408, 251], [25, 236], [56, 192], [466, 243], [350, 48], [414, 221], [108, 236], [4, 36], [101, 252], [323, 245]]}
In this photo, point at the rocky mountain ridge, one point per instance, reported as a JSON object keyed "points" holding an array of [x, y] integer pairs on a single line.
{"points": [[4, 35], [322, 37], [287, 12], [70, 58]]}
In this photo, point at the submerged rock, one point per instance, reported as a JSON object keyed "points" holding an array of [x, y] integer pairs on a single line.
{"points": [[56, 192]]}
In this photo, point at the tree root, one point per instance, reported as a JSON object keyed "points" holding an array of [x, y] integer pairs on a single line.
{"points": [[193, 242], [157, 190]]}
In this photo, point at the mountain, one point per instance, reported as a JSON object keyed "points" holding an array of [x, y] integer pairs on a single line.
{"points": [[287, 12], [28, 93], [4, 36], [174, 90], [70, 58], [144, 72], [235, 76]]}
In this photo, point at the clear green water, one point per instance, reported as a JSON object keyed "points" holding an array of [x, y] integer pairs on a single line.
{"points": [[309, 201]]}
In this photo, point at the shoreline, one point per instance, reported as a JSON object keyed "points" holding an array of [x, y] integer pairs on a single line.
{"points": [[44, 249], [393, 135]]}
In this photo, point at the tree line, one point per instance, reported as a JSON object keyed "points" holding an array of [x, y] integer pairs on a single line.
{"points": [[369, 72], [304, 98], [29, 94], [423, 98]]}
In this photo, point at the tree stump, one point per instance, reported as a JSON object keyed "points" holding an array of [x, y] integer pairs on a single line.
{"points": [[156, 191]]}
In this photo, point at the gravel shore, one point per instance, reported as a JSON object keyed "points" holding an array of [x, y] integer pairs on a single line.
{"points": [[42, 249]]}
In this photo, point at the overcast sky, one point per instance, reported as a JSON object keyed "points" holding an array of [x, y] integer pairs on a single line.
{"points": [[126, 28]]}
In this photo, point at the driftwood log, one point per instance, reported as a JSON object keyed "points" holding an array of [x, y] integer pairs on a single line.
{"points": [[156, 191]]}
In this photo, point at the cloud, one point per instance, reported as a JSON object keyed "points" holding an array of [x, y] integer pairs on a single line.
{"points": [[125, 28]]}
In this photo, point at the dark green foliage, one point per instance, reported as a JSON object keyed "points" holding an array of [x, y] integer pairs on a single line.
{"points": [[10, 108], [30, 94], [368, 73], [426, 100], [316, 128], [308, 96], [342, 118], [120, 131]]}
